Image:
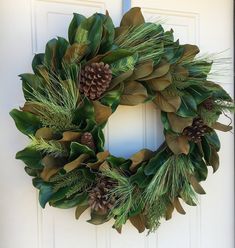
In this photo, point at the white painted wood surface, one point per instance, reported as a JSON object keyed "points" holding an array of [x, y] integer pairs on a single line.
{"points": [[25, 26]]}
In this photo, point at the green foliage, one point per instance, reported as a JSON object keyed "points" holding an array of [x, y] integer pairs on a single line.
{"points": [[171, 179], [26, 122], [52, 147], [127, 197]]}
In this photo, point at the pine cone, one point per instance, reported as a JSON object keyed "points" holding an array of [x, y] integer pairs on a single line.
{"points": [[87, 140], [95, 79], [208, 104], [196, 131], [100, 199]]}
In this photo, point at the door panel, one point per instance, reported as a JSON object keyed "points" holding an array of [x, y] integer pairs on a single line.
{"points": [[26, 27]]}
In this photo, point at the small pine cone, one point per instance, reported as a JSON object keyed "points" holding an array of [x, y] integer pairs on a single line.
{"points": [[87, 140], [196, 131], [208, 104], [95, 79], [100, 199]]}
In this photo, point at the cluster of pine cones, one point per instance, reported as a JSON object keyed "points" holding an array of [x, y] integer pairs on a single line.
{"points": [[196, 131], [100, 198], [95, 79]]}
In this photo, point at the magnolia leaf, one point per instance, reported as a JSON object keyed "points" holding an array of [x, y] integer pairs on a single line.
{"points": [[140, 157], [98, 218], [115, 55], [159, 84], [134, 93], [70, 136], [160, 71], [32, 108], [177, 144], [79, 199], [51, 167], [190, 51], [101, 156], [45, 133], [26, 123], [117, 80], [178, 123], [76, 163], [102, 112], [180, 72], [138, 222], [77, 149], [214, 160], [169, 211], [142, 70], [30, 157], [133, 17], [74, 53], [178, 206], [167, 103], [221, 127], [80, 210], [197, 187], [74, 24]]}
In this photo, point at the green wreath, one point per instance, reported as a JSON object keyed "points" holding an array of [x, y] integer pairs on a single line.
{"points": [[78, 84]]}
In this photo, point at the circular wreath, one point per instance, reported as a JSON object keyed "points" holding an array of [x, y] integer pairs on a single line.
{"points": [[78, 84]]}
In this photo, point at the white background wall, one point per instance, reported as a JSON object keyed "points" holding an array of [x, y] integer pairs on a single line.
{"points": [[25, 26]]}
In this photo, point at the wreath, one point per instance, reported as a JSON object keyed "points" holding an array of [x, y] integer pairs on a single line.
{"points": [[78, 84]]}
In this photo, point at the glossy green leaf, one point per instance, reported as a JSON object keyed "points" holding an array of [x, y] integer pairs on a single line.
{"points": [[38, 60], [77, 149], [188, 107], [74, 24], [30, 157], [162, 155], [26, 122]]}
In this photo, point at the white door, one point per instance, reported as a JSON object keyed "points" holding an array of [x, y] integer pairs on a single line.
{"points": [[25, 26]]}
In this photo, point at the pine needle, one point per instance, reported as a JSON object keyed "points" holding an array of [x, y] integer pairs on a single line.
{"points": [[52, 147]]}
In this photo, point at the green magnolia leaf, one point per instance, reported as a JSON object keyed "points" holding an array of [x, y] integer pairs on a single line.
{"points": [[50, 54], [32, 172], [116, 55], [45, 191], [84, 111], [199, 94], [217, 91], [188, 107], [112, 97], [213, 139], [79, 199], [98, 218], [74, 53], [199, 69], [108, 34], [32, 158], [140, 178], [77, 149], [80, 210], [206, 150], [38, 60], [74, 24], [26, 122], [124, 64], [165, 121], [90, 30], [162, 155], [30, 83], [98, 136]]}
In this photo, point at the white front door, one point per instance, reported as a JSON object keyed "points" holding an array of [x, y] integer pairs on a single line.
{"points": [[25, 26]]}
